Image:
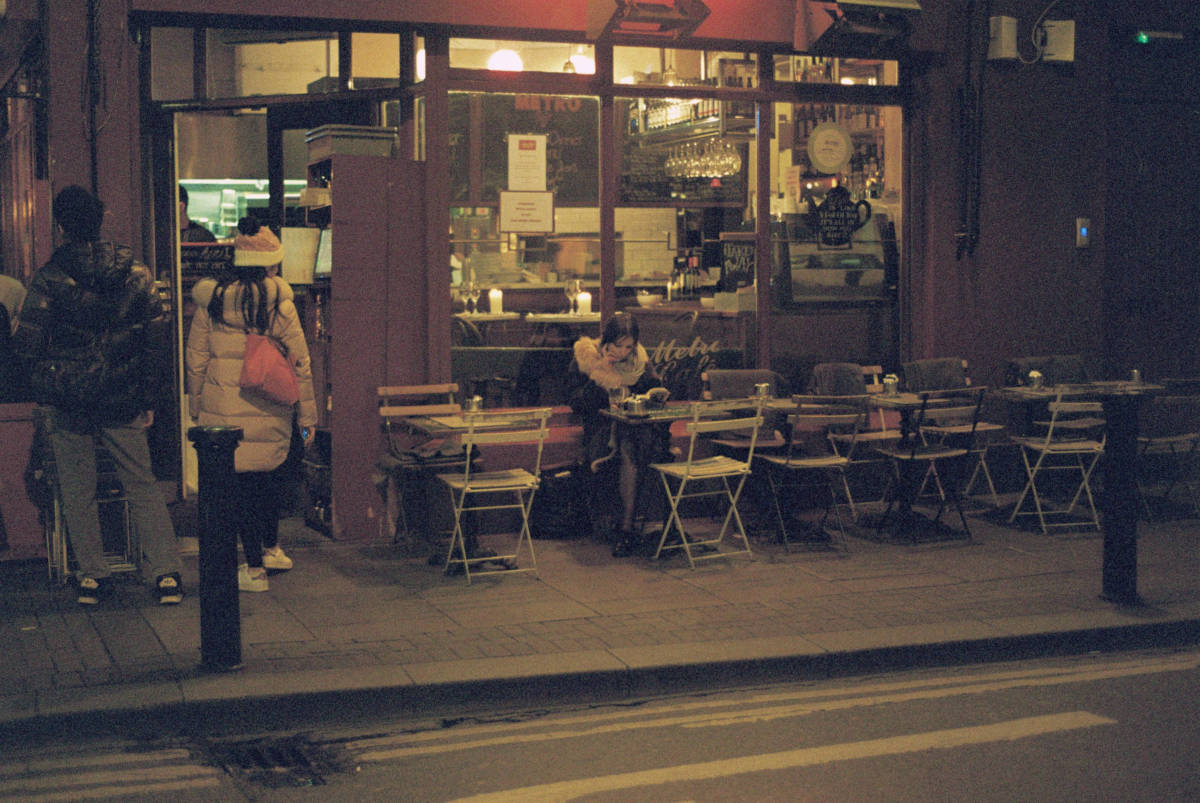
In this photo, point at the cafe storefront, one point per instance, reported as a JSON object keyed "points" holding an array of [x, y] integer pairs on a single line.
{"points": [[758, 196], [562, 179]]}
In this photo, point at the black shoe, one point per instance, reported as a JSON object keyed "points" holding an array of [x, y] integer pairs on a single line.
{"points": [[628, 544], [92, 590], [169, 588]]}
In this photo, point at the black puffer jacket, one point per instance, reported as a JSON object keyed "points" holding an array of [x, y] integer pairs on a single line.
{"points": [[90, 292]]}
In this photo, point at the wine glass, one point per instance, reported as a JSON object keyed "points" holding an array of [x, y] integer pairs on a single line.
{"points": [[471, 291], [571, 289]]}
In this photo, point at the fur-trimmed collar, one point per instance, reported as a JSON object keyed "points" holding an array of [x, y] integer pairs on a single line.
{"points": [[593, 365]]}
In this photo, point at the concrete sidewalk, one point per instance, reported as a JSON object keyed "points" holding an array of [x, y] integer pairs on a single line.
{"points": [[360, 627]]}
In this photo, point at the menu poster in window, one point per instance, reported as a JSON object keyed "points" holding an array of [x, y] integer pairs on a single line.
{"points": [[526, 212], [738, 259], [527, 162], [571, 126]]}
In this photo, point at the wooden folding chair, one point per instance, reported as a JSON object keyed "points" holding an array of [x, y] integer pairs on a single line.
{"points": [[484, 429], [696, 476]]}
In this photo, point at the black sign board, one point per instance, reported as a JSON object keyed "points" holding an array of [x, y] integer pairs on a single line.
{"points": [[198, 260], [838, 217], [738, 259]]}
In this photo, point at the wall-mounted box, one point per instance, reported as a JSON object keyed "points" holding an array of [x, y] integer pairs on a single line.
{"points": [[1002, 38], [1060, 40]]}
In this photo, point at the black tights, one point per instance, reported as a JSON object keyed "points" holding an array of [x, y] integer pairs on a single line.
{"points": [[256, 502]]}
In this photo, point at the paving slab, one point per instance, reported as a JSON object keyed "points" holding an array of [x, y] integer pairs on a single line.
{"points": [[359, 625]]}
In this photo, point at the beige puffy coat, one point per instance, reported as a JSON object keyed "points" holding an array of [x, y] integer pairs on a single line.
{"points": [[214, 366]]}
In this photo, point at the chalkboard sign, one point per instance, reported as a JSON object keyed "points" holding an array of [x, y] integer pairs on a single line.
{"points": [[571, 125], [838, 217], [738, 259], [198, 260]]}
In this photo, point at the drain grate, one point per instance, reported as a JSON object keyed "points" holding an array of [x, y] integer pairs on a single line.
{"points": [[279, 761]]}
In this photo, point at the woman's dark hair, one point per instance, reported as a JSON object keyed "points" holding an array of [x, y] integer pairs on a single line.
{"points": [[79, 213], [619, 325], [256, 314], [249, 225]]}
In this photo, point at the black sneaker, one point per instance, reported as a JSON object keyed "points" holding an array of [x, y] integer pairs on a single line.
{"points": [[92, 590], [170, 590]]}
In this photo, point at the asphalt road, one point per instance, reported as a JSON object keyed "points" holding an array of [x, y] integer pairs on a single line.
{"points": [[1103, 727]]}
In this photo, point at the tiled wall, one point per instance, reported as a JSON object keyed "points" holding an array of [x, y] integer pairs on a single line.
{"points": [[647, 237]]}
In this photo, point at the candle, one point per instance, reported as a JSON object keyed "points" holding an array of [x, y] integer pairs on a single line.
{"points": [[496, 299], [584, 302]]}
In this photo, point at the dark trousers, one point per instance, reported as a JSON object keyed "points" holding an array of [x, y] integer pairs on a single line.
{"points": [[256, 511]]}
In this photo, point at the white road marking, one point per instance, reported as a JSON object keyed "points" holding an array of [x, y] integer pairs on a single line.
{"points": [[104, 775], [804, 757], [458, 739]]}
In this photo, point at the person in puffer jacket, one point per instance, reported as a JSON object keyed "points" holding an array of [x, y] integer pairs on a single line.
{"points": [[250, 298], [86, 334]]}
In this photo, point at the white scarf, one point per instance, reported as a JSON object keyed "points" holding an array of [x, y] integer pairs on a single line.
{"points": [[626, 373]]}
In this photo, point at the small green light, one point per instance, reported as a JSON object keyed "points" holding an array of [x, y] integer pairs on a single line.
{"points": [[1143, 38]]}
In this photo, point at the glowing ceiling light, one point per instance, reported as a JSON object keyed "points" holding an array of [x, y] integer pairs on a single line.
{"points": [[506, 59], [584, 64]]}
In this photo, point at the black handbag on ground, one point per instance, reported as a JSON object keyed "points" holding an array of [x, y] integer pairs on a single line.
{"points": [[559, 507]]}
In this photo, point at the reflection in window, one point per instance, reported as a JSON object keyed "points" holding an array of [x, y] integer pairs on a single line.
{"points": [[824, 70], [675, 67], [252, 62], [375, 60], [494, 54]]}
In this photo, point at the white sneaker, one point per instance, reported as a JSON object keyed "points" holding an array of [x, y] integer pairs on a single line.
{"points": [[251, 579], [274, 558]]}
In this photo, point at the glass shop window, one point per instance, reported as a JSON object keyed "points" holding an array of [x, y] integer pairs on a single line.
{"points": [[835, 218], [517, 56]]}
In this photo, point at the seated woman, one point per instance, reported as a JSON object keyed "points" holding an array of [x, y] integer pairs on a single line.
{"points": [[617, 360]]}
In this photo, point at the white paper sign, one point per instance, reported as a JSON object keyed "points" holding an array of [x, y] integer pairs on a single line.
{"points": [[527, 162], [526, 212]]}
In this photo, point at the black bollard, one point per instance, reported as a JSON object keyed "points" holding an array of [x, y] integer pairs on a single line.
{"points": [[220, 616]]}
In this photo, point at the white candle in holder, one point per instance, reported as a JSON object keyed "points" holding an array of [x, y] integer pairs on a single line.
{"points": [[584, 303], [496, 299]]}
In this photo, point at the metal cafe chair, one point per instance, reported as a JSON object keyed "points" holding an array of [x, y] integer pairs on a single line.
{"points": [[941, 458], [1168, 440], [814, 460], [853, 379], [473, 491], [1073, 442], [406, 458], [718, 476], [947, 373]]}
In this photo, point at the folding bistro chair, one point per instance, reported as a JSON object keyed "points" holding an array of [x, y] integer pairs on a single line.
{"points": [[852, 379], [696, 477], [1073, 442], [943, 458], [1168, 437], [519, 484], [812, 461], [407, 458], [949, 373]]}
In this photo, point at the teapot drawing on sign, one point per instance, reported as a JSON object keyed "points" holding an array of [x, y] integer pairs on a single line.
{"points": [[839, 216]]}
